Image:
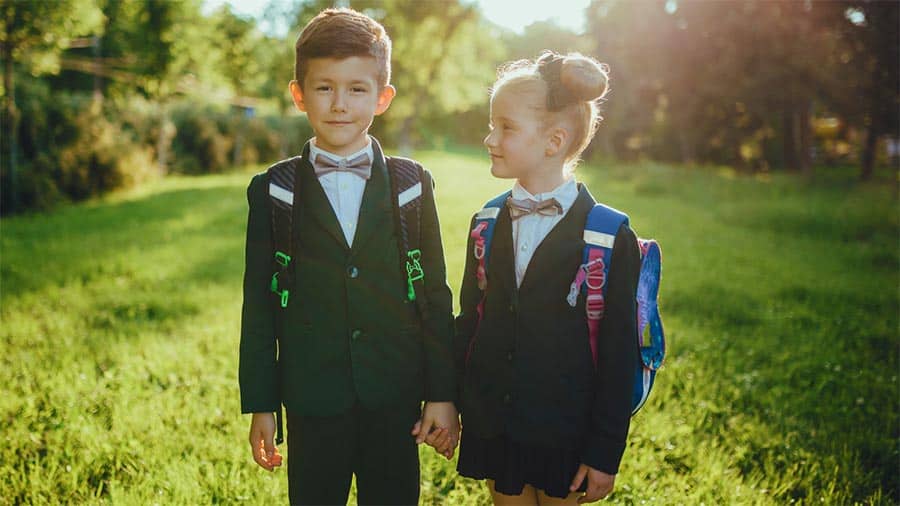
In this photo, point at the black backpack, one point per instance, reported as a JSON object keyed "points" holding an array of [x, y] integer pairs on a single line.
{"points": [[406, 178]]}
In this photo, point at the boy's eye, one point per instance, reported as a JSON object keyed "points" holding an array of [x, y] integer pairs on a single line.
{"points": [[323, 88], [358, 89]]}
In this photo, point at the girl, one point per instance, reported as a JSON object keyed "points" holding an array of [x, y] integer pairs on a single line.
{"points": [[541, 423]]}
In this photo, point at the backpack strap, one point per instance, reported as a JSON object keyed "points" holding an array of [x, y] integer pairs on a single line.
{"points": [[482, 234], [282, 195], [600, 231], [406, 194]]}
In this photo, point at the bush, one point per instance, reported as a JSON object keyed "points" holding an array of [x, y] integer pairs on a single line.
{"points": [[72, 148], [200, 145]]}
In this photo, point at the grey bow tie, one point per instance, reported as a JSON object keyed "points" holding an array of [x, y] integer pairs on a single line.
{"points": [[524, 207], [361, 165]]}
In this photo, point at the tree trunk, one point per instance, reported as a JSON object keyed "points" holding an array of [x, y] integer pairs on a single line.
{"points": [[405, 140], [11, 124], [686, 147], [804, 137], [163, 140], [97, 50], [787, 136], [868, 155]]}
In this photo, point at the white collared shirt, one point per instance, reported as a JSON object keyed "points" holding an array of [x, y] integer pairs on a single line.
{"points": [[343, 189], [528, 231]]}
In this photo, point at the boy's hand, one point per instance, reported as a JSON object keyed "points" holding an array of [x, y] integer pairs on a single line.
{"points": [[599, 485], [262, 441], [438, 427]]}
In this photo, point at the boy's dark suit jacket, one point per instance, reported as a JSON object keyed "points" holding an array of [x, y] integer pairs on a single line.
{"points": [[349, 332], [530, 375]]}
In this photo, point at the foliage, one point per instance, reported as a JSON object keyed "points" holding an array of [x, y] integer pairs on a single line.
{"points": [[77, 148], [120, 357]]}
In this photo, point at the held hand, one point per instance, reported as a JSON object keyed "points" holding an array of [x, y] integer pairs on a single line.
{"points": [[599, 485], [438, 427], [262, 441]]}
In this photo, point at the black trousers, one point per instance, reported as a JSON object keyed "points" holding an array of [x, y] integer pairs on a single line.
{"points": [[374, 444]]}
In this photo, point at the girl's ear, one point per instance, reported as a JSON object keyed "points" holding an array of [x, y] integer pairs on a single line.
{"points": [[556, 141], [297, 95], [384, 99]]}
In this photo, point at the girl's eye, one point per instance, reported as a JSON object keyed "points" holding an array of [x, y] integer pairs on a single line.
{"points": [[323, 88], [358, 90]]}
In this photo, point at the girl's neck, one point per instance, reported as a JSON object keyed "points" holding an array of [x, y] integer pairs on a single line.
{"points": [[545, 180]]}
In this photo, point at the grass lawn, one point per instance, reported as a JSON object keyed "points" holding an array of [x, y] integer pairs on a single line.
{"points": [[120, 323]]}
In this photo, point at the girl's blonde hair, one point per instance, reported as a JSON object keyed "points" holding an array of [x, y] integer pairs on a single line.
{"points": [[573, 86]]}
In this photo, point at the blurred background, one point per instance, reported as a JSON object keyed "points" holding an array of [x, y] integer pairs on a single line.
{"points": [[756, 140], [100, 94]]}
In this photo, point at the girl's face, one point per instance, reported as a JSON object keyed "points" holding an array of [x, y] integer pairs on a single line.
{"points": [[517, 142]]}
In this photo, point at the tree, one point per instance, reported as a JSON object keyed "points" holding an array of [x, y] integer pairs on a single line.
{"points": [[34, 34]]}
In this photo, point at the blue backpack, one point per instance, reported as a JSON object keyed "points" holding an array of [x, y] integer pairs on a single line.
{"points": [[600, 230]]}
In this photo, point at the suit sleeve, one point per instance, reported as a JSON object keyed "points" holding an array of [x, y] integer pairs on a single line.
{"points": [[617, 358], [469, 297], [438, 324], [257, 374]]}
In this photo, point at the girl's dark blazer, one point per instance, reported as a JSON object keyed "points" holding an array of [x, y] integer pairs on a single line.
{"points": [[348, 334], [529, 374]]}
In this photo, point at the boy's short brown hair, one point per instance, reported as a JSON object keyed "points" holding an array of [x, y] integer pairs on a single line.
{"points": [[342, 33]]}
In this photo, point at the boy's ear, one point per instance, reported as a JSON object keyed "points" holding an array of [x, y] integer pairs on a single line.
{"points": [[384, 99], [297, 95], [556, 141]]}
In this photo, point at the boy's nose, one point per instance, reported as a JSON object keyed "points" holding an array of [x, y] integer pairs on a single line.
{"points": [[338, 104], [489, 140]]}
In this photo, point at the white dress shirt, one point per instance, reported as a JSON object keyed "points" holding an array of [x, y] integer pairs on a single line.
{"points": [[528, 231], [343, 189]]}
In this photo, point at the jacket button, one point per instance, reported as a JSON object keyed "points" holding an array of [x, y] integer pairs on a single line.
{"points": [[512, 308], [353, 272], [356, 334], [509, 356], [507, 399]]}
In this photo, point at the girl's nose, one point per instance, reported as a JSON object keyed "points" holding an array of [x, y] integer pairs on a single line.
{"points": [[489, 140]]}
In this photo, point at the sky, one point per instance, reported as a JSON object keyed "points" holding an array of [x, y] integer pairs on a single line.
{"points": [[512, 14]]}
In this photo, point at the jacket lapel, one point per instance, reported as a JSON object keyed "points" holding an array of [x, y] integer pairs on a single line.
{"points": [[374, 210], [315, 202], [503, 260]]}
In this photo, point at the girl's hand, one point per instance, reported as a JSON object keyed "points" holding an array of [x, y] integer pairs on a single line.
{"points": [[599, 485]]}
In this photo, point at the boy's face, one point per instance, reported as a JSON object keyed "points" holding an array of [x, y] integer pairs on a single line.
{"points": [[340, 98]]}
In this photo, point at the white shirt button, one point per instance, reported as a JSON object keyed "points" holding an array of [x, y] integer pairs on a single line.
{"points": [[525, 247]]}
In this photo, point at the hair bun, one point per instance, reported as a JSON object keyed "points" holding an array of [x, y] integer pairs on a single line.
{"points": [[583, 77]]}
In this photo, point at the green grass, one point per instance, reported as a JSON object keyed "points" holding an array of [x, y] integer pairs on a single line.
{"points": [[120, 324]]}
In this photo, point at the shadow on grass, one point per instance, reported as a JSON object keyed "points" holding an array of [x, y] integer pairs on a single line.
{"points": [[108, 241]]}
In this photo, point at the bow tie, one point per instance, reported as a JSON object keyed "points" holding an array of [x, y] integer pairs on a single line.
{"points": [[361, 166], [524, 207]]}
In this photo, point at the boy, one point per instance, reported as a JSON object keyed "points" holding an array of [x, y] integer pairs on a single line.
{"points": [[354, 358]]}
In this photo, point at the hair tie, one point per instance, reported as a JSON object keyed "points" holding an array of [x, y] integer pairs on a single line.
{"points": [[558, 96]]}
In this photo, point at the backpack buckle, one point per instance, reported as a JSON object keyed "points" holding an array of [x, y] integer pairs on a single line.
{"points": [[284, 294], [283, 260], [414, 271], [594, 306]]}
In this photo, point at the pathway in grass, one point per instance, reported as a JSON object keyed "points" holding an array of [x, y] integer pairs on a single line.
{"points": [[120, 331]]}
